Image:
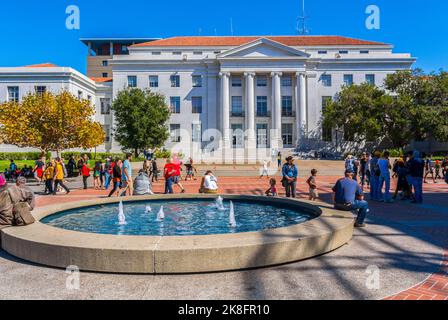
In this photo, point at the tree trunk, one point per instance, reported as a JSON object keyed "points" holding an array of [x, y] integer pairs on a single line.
{"points": [[136, 152]]}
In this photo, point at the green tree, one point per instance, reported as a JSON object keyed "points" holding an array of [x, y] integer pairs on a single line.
{"points": [[141, 118]]}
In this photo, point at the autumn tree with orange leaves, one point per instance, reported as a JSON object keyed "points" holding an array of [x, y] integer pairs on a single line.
{"points": [[50, 122]]}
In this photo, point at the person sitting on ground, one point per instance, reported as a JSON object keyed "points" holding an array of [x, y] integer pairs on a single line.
{"points": [[142, 184], [313, 193], [348, 196], [209, 183], [272, 191]]}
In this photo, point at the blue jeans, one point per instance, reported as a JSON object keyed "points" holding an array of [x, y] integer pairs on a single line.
{"points": [[169, 185], [107, 180], [384, 179], [374, 183], [417, 184], [363, 207]]}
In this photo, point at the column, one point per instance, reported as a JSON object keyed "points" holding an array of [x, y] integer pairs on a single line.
{"points": [[225, 117], [277, 107], [301, 105], [111, 48], [250, 105]]}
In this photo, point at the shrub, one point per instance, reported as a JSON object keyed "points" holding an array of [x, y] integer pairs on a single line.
{"points": [[22, 155]]}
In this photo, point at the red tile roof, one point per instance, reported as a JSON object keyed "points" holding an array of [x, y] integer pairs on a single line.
{"points": [[102, 79], [237, 41], [42, 65]]}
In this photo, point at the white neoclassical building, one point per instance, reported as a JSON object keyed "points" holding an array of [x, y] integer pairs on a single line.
{"points": [[237, 96]]}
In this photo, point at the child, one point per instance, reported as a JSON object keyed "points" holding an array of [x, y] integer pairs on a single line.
{"points": [[48, 177], [402, 182], [272, 191], [314, 195]]}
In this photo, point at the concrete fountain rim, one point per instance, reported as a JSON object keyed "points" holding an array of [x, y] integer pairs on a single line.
{"points": [[52, 246]]}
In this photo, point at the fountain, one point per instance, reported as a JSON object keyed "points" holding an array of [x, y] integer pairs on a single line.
{"points": [[121, 215], [232, 221], [220, 203], [148, 209], [160, 214]]}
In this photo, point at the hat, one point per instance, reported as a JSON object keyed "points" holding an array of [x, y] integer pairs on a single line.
{"points": [[349, 171], [289, 158], [2, 180]]}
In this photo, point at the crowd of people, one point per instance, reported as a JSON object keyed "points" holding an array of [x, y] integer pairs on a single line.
{"points": [[373, 171]]}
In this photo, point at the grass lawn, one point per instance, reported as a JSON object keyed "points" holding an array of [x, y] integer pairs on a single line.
{"points": [[20, 163]]}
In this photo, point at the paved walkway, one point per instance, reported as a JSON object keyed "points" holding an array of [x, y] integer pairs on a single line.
{"points": [[406, 242]]}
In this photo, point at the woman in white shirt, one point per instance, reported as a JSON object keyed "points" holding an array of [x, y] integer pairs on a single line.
{"points": [[209, 183]]}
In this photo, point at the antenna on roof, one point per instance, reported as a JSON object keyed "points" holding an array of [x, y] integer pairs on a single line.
{"points": [[231, 26], [301, 22]]}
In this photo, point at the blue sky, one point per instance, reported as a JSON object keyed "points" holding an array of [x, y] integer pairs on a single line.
{"points": [[34, 31]]}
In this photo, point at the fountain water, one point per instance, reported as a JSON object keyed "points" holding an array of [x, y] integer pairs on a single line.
{"points": [[148, 209], [121, 215], [160, 214], [232, 221], [220, 203]]}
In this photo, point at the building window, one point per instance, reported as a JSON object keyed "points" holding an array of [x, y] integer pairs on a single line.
{"points": [[286, 81], [370, 79], [105, 75], [156, 53], [40, 90], [197, 81], [236, 81], [175, 81], [175, 104], [105, 63], [196, 132], [196, 103], [90, 99], [326, 130], [105, 105], [237, 106], [322, 52], [262, 106], [326, 80], [287, 134], [197, 53], [153, 81], [175, 133], [348, 79], [287, 106], [343, 51], [13, 94], [124, 49], [106, 129], [132, 81], [79, 95], [177, 53], [364, 52], [262, 135], [262, 81], [217, 52], [237, 135]]}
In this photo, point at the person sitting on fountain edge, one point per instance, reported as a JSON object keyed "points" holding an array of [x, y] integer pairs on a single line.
{"points": [[209, 183], [348, 196]]}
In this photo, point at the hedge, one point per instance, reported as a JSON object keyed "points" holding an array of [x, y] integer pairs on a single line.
{"points": [[22, 155]]}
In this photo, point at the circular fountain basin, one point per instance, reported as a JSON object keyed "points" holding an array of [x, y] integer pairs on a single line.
{"points": [[194, 236]]}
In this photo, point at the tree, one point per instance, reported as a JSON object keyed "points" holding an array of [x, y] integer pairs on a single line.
{"points": [[50, 122], [141, 118], [413, 106]]}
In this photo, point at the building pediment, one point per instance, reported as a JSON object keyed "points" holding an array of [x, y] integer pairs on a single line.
{"points": [[262, 48]]}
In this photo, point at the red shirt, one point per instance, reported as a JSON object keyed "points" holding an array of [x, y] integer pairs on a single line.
{"points": [[176, 169], [169, 167], [85, 171]]}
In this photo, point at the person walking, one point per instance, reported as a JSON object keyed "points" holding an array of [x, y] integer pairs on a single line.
{"points": [[58, 177], [126, 177], [39, 167], [289, 180], [108, 166], [279, 159], [177, 178], [116, 177], [363, 169], [48, 177], [264, 169], [429, 168], [348, 196], [312, 184]]}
